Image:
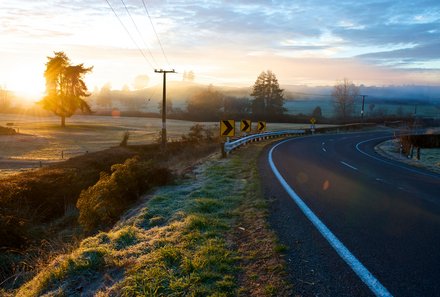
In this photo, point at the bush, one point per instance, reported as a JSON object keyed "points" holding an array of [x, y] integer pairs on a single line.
{"points": [[7, 131], [102, 204], [198, 133], [12, 232], [420, 141]]}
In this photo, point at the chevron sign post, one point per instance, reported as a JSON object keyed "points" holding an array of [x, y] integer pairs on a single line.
{"points": [[227, 128], [245, 126], [261, 127]]}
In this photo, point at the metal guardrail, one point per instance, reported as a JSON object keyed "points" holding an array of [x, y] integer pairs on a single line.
{"points": [[231, 145]]}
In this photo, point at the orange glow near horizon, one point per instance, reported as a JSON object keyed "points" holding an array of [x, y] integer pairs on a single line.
{"points": [[227, 52]]}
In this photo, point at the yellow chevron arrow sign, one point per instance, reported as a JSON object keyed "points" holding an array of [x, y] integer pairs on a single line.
{"points": [[227, 128]]}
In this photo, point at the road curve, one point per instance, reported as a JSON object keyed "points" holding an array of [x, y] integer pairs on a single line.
{"points": [[387, 214]]}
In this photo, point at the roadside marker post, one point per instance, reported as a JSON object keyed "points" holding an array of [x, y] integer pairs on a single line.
{"points": [[312, 126]]}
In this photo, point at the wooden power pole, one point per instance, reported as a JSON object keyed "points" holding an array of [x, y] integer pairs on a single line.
{"points": [[164, 105]]}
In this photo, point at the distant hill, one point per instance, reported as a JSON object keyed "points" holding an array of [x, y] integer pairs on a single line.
{"points": [[388, 93], [149, 99]]}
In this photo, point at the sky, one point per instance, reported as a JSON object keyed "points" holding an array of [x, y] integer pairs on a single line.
{"points": [[230, 42]]}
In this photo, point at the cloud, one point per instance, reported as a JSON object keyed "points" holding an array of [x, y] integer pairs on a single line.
{"points": [[417, 53], [216, 37]]}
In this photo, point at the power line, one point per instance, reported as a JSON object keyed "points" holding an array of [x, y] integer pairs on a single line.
{"points": [[128, 32], [155, 32], [139, 32]]}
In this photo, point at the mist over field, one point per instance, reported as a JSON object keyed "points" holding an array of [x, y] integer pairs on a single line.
{"points": [[299, 99]]}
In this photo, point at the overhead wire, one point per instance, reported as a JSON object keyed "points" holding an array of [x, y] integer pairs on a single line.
{"points": [[128, 33], [155, 32], [139, 32]]}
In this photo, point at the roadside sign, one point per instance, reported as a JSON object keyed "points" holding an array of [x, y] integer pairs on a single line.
{"points": [[261, 126], [245, 125], [312, 121], [227, 128]]}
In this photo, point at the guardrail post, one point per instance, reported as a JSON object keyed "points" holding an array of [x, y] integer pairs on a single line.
{"points": [[222, 147], [225, 152]]}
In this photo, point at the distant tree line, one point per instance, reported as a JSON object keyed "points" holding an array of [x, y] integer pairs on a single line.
{"points": [[265, 101], [66, 92]]}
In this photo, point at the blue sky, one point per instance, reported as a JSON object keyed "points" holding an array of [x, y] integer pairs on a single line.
{"points": [[224, 42]]}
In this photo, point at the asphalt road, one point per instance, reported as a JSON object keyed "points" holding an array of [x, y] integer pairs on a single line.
{"points": [[387, 215]]}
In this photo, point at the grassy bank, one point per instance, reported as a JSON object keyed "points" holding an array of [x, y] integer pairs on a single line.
{"points": [[46, 211], [205, 236]]}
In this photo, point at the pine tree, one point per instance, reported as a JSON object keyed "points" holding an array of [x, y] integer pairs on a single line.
{"points": [[65, 87], [269, 97]]}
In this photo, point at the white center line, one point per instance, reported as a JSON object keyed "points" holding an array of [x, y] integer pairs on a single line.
{"points": [[324, 149], [348, 165]]}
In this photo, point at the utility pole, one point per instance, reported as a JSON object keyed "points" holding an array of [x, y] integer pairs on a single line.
{"points": [[164, 105], [363, 104]]}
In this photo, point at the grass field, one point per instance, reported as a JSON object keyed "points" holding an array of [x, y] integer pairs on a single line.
{"points": [[206, 235], [42, 138]]}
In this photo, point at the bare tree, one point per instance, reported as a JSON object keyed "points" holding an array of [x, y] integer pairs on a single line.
{"points": [[344, 94]]}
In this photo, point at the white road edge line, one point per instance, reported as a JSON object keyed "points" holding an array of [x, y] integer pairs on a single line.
{"points": [[387, 162], [348, 165], [362, 272]]}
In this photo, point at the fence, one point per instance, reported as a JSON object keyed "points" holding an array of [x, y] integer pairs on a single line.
{"points": [[231, 145]]}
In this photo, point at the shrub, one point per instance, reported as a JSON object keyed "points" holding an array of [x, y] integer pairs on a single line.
{"points": [[103, 203], [420, 141], [198, 133], [7, 131], [12, 231]]}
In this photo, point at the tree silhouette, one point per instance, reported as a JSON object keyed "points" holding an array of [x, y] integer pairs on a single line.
{"points": [[317, 112], [206, 102], [344, 93], [188, 76], [268, 96], [104, 97], [5, 101], [169, 103], [65, 87]]}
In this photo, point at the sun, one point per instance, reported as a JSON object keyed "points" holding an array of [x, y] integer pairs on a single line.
{"points": [[27, 84]]}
